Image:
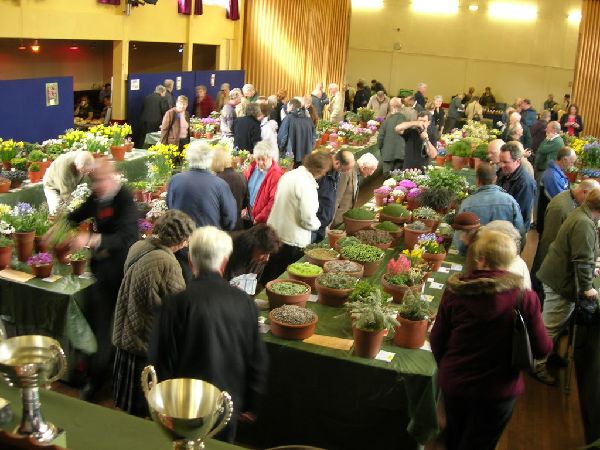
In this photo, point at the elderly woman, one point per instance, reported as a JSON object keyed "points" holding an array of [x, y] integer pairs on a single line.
{"points": [[222, 96], [251, 251], [175, 128], [222, 166], [246, 130], [204, 105], [268, 126], [294, 213], [471, 341], [151, 273], [263, 177]]}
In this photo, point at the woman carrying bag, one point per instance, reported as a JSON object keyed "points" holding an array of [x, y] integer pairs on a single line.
{"points": [[175, 128]]}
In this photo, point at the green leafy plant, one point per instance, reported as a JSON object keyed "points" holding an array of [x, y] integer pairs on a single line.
{"points": [[460, 148], [364, 291], [425, 213], [417, 226], [304, 269], [337, 280], [342, 265], [18, 163], [5, 242], [348, 240], [413, 308], [34, 167], [365, 114], [395, 210], [359, 214], [37, 156], [370, 312], [288, 288], [80, 255], [61, 231], [445, 230], [387, 226], [362, 253], [438, 199], [373, 237], [325, 254], [481, 152]]}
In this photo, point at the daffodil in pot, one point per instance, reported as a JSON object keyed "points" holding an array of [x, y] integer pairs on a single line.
{"points": [[413, 318], [403, 275], [433, 250], [23, 219], [41, 265], [118, 133], [372, 319]]}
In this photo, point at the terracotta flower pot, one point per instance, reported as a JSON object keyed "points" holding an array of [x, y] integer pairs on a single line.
{"points": [[440, 160], [24, 244], [35, 177], [118, 153], [4, 186], [412, 236], [129, 147], [6, 165], [434, 260], [458, 162], [5, 257], [448, 158], [78, 267], [412, 203], [331, 297], [431, 223], [572, 176], [394, 219], [397, 292], [209, 135], [14, 184], [410, 333], [276, 300], [476, 163], [327, 267], [333, 237], [41, 246], [288, 331], [61, 252], [383, 246], [367, 343], [310, 280], [379, 199], [369, 268], [44, 166], [42, 271], [353, 225]]}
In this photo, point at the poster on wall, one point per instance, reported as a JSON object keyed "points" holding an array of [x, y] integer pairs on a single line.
{"points": [[178, 83], [51, 94], [135, 84]]}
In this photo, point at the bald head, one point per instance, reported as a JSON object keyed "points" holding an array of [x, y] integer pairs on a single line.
{"points": [[493, 152], [581, 190], [395, 103]]}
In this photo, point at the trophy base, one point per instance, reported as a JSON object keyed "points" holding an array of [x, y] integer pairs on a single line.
{"points": [[51, 436], [188, 445]]}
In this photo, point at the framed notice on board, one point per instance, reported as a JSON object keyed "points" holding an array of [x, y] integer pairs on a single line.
{"points": [[51, 94]]}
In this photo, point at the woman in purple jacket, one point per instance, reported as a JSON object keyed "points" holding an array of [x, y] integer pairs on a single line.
{"points": [[472, 344]]}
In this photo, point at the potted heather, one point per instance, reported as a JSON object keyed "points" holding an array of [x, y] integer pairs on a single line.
{"points": [[351, 268], [413, 317], [403, 274], [6, 248], [461, 152], [287, 292], [377, 238], [372, 319], [433, 250], [427, 215], [23, 219], [358, 219], [320, 255], [395, 213], [381, 193], [333, 236], [412, 231], [305, 272], [41, 265], [79, 259], [364, 254], [292, 322], [333, 288]]}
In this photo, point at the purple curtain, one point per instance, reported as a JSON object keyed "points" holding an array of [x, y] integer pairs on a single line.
{"points": [[110, 2], [197, 7], [185, 7], [234, 10]]}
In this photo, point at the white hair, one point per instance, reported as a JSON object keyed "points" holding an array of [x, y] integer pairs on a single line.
{"points": [[247, 88], [160, 89], [272, 100], [83, 160], [438, 97], [421, 85], [506, 228], [235, 93], [333, 85], [368, 160], [266, 149], [209, 247], [200, 155]]}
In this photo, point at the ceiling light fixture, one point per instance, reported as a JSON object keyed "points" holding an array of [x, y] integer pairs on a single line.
{"points": [[180, 48], [473, 8], [574, 17], [35, 46], [22, 46], [435, 6], [512, 11], [73, 46]]}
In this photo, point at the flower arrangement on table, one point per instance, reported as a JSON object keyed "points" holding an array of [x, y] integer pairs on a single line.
{"points": [[374, 125], [53, 148], [41, 259], [22, 217], [196, 127], [157, 208], [210, 124], [431, 243], [115, 132], [168, 154], [365, 114], [215, 115], [446, 178], [96, 143], [360, 136], [6, 229]]}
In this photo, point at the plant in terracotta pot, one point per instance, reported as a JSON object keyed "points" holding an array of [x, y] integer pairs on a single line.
{"points": [[356, 219], [439, 200], [372, 319], [333, 288], [433, 250], [480, 154], [364, 254], [333, 236], [35, 173], [403, 275], [293, 322], [79, 259], [15, 176], [413, 317], [413, 198], [6, 248], [18, 163], [381, 193], [440, 159], [117, 133], [320, 256], [4, 185], [287, 292], [41, 265], [42, 225], [305, 272], [23, 219], [395, 213], [347, 241], [351, 268], [377, 238], [428, 216], [8, 150], [412, 231], [59, 239], [460, 151], [394, 230], [446, 232]]}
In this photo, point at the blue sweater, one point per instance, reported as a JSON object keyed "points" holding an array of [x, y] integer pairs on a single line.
{"points": [[206, 198], [554, 181]]}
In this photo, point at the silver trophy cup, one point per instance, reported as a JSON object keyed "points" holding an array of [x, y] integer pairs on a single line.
{"points": [[186, 409], [31, 362]]}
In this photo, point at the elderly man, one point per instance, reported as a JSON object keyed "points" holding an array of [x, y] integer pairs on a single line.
{"points": [[319, 99], [380, 104], [115, 217], [572, 254], [297, 132], [249, 96], [493, 153], [528, 114], [490, 202], [390, 141], [154, 109], [246, 130], [420, 94], [209, 331], [515, 180], [203, 196], [455, 112], [538, 130], [549, 148], [554, 181], [349, 183], [343, 162], [168, 84], [228, 114], [63, 176], [336, 104]]}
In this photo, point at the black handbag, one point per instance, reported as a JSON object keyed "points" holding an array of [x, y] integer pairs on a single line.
{"points": [[522, 356]]}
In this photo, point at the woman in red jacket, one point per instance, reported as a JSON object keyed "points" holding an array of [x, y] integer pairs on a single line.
{"points": [[263, 176], [471, 341]]}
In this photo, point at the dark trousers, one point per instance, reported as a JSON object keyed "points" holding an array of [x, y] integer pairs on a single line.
{"points": [[279, 261], [476, 424], [541, 210]]}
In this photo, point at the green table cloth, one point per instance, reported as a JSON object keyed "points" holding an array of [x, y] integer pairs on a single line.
{"points": [[133, 168], [93, 427]]}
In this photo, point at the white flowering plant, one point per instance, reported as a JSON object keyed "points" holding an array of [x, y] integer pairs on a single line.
{"points": [[79, 196]]}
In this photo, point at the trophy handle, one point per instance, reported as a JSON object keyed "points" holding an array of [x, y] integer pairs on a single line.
{"points": [[62, 364], [148, 370], [225, 398]]}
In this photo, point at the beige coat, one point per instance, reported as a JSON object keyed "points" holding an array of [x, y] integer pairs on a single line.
{"points": [[62, 176], [169, 134], [381, 109], [336, 108], [346, 195]]}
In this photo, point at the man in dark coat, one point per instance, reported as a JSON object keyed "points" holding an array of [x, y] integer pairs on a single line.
{"points": [[153, 111], [419, 148], [246, 130], [363, 94], [297, 132], [115, 219], [210, 331]]}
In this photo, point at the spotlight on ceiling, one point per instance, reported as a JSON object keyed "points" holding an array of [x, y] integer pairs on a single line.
{"points": [[473, 7], [35, 46], [22, 46], [73, 46]]}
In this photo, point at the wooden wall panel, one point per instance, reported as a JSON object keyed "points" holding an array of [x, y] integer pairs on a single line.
{"points": [[586, 85], [290, 44]]}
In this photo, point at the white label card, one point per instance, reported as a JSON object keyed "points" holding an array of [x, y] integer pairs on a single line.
{"points": [[313, 298], [427, 298], [426, 346], [444, 269], [453, 251], [135, 84], [457, 267], [435, 285], [385, 356]]}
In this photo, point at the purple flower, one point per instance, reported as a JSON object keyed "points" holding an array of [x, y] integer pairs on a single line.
{"points": [[41, 259], [414, 193], [385, 190], [144, 225], [407, 184], [380, 119], [22, 209]]}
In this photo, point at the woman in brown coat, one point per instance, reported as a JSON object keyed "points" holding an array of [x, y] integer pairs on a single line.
{"points": [[175, 128]]}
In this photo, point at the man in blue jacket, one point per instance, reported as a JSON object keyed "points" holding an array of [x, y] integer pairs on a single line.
{"points": [[528, 114]]}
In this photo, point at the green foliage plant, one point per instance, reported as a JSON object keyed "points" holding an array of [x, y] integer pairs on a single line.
{"points": [[338, 280], [359, 214], [362, 253]]}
